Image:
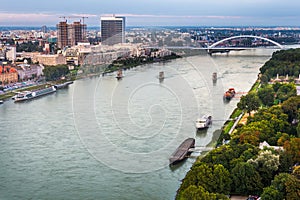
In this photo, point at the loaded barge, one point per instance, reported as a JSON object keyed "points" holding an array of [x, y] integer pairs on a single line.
{"points": [[182, 151]]}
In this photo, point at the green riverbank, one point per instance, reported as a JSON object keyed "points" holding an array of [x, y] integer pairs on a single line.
{"points": [[240, 166]]}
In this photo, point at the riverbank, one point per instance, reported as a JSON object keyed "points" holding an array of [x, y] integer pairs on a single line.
{"points": [[123, 64], [131, 62], [269, 133], [10, 94]]}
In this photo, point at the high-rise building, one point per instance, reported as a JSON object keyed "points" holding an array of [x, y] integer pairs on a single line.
{"points": [[62, 34], [112, 30], [70, 34]]}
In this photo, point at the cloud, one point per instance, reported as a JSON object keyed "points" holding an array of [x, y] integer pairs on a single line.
{"points": [[38, 18], [51, 19], [174, 16]]}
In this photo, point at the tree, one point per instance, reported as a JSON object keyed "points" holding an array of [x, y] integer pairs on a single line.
{"points": [[220, 180], [266, 95], [249, 102], [279, 184], [266, 164], [291, 107], [286, 161], [292, 148], [199, 175], [286, 91], [293, 187], [270, 122], [198, 193], [282, 138], [246, 180], [55, 72], [271, 193], [276, 86], [194, 193], [257, 129], [250, 137], [264, 79]]}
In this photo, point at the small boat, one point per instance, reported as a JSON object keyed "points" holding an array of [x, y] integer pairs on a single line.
{"points": [[119, 74], [214, 77], [1, 101], [27, 95], [229, 94], [161, 76], [203, 122], [182, 151]]}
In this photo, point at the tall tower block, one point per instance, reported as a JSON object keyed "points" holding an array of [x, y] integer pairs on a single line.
{"points": [[112, 30]]}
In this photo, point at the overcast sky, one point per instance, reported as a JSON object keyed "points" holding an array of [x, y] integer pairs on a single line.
{"points": [[154, 12]]}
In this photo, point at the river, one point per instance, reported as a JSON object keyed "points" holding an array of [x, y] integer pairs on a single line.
{"points": [[108, 139]]}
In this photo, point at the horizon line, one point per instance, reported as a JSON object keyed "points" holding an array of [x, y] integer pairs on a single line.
{"points": [[212, 26]]}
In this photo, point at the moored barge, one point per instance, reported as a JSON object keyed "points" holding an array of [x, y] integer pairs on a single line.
{"points": [[182, 151]]}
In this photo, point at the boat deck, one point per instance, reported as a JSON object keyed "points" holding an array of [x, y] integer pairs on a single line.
{"points": [[182, 151]]}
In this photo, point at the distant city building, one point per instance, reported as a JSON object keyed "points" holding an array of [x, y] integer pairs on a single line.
{"points": [[44, 29], [8, 75], [57, 59], [70, 34], [27, 71], [11, 53], [112, 30]]}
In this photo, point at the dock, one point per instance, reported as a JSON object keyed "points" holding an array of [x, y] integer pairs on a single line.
{"points": [[63, 85], [200, 149], [182, 151]]}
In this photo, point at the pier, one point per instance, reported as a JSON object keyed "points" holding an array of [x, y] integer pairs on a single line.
{"points": [[200, 149]]}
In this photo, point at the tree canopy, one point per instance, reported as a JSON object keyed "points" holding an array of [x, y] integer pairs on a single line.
{"points": [[272, 172], [55, 72], [249, 102]]}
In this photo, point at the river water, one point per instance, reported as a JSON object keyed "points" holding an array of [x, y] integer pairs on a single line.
{"points": [[108, 139]]}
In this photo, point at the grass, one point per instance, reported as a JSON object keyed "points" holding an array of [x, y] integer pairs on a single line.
{"points": [[228, 125], [255, 87], [11, 94]]}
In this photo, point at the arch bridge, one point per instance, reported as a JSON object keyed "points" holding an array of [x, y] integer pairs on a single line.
{"points": [[214, 47]]}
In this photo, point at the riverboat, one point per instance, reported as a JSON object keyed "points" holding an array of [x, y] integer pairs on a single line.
{"points": [[182, 151], [27, 95], [119, 74], [161, 76], [229, 94], [214, 77], [203, 122]]}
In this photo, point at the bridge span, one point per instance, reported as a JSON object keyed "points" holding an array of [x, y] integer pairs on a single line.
{"points": [[214, 48]]}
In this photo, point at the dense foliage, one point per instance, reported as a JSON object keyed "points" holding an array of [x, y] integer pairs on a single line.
{"points": [[29, 47], [242, 168], [282, 63], [127, 63], [53, 73]]}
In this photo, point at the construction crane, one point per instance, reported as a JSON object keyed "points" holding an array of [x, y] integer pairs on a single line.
{"points": [[83, 17]]}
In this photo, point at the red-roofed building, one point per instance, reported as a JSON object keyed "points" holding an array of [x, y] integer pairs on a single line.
{"points": [[8, 75]]}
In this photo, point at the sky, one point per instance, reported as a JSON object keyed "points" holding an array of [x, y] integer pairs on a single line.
{"points": [[153, 12]]}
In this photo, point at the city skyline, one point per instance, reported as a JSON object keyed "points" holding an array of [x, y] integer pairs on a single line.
{"points": [[155, 13]]}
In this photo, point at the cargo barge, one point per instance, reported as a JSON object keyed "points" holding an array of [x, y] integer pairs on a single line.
{"points": [[182, 151]]}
